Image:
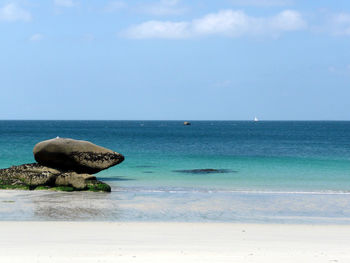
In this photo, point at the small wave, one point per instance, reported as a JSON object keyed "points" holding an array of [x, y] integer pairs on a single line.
{"points": [[213, 191], [111, 179]]}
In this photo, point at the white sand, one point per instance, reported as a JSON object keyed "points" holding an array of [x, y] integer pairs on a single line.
{"points": [[86, 242]]}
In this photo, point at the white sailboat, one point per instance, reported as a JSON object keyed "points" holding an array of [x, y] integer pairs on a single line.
{"points": [[256, 119]]}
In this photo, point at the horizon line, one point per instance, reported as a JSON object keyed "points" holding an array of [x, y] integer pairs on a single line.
{"points": [[165, 120]]}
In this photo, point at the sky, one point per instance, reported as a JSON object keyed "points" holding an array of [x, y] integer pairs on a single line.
{"points": [[175, 59]]}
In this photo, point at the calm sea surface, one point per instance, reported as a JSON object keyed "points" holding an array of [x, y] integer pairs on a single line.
{"points": [[287, 171]]}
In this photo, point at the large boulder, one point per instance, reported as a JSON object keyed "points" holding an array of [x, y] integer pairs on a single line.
{"points": [[36, 176], [76, 155]]}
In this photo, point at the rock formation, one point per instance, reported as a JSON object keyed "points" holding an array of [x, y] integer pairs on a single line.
{"points": [[79, 156], [205, 171], [63, 164]]}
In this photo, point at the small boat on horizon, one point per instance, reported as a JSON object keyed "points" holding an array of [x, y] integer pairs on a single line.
{"points": [[256, 119]]}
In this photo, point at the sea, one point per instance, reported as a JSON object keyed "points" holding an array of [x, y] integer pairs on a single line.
{"points": [[295, 172]]}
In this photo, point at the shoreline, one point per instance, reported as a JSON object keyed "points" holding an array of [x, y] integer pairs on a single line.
{"points": [[159, 207], [64, 241]]}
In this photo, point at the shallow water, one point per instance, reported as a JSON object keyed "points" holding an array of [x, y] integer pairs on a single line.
{"points": [[271, 171], [176, 205]]}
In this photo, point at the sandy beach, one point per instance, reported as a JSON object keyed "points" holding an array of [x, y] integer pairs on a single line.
{"points": [[171, 242]]}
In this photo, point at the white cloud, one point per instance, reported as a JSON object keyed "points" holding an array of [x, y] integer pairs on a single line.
{"points": [[12, 12], [223, 84], [340, 70], [287, 20], [230, 23], [114, 6], [88, 37], [339, 24], [158, 29], [225, 22], [262, 2], [36, 37], [332, 69], [65, 3], [164, 7]]}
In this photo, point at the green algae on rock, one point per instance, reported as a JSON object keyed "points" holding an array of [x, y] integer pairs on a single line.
{"points": [[38, 177]]}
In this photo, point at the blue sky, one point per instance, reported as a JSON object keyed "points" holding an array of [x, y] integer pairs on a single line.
{"points": [[173, 59]]}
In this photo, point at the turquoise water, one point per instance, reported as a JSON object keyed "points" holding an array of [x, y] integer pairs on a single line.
{"points": [[275, 171]]}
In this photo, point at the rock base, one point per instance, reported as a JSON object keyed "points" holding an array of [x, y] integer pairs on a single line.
{"points": [[35, 176]]}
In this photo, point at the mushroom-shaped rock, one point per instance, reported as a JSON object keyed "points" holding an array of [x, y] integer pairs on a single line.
{"points": [[76, 155]]}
